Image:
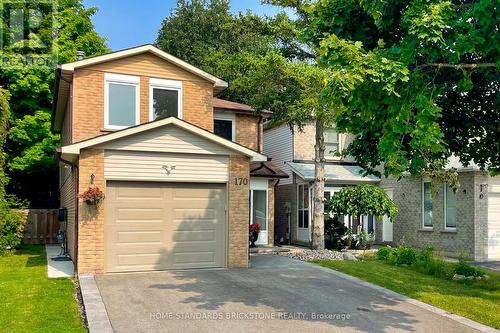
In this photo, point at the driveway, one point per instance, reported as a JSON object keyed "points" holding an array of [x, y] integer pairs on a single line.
{"points": [[277, 294]]}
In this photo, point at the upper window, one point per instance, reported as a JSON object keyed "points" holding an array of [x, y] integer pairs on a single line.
{"points": [[224, 128], [303, 207], [332, 142], [427, 204], [165, 99], [121, 101], [450, 205]]}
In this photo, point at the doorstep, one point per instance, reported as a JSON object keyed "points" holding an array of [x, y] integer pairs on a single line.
{"points": [[57, 269], [268, 250]]}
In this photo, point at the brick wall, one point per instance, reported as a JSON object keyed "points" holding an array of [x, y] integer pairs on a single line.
{"points": [[91, 220], [246, 130], [481, 216], [238, 212], [270, 213], [88, 102], [407, 226]]}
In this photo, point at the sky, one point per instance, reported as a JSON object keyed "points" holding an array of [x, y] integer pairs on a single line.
{"points": [[128, 23]]}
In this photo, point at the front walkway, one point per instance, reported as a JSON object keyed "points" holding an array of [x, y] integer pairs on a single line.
{"points": [[277, 294], [493, 265], [57, 269]]}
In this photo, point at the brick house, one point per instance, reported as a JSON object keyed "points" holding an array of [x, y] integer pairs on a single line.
{"points": [[466, 222], [182, 171]]}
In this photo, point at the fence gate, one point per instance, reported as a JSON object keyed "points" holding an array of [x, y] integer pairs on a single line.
{"points": [[42, 226]]}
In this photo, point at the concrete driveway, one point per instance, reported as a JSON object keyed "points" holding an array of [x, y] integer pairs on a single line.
{"points": [[277, 294]]}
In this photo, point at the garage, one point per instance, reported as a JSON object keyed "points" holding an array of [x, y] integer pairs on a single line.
{"points": [[161, 225]]}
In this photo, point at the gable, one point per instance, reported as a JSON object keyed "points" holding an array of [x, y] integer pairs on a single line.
{"points": [[170, 139], [146, 64]]}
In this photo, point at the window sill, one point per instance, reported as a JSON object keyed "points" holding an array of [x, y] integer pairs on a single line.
{"points": [[449, 231], [109, 130], [426, 230]]}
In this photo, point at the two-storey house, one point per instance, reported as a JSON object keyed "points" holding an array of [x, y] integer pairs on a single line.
{"points": [[181, 170]]}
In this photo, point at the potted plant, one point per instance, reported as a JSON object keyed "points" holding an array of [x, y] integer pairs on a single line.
{"points": [[93, 196], [254, 233]]}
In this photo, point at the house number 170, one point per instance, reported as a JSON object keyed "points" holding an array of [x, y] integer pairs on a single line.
{"points": [[238, 181]]}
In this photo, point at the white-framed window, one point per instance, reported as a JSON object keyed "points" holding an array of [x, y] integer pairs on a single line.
{"points": [[225, 126], [303, 206], [426, 204], [332, 142], [450, 208], [121, 101], [165, 99]]}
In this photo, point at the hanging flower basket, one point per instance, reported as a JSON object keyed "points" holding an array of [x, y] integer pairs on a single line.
{"points": [[93, 196]]}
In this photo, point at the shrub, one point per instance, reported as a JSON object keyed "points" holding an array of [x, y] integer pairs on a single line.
{"points": [[435, 266], [405, 255], [463, 268], [384, 253], [334, 233], [426, 254], [11, 227]]}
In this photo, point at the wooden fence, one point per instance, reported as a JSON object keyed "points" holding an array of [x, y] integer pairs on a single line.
{"points": [[42, 227]]}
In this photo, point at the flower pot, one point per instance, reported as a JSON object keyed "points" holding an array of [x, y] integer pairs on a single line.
{"points": [[253, 238]]}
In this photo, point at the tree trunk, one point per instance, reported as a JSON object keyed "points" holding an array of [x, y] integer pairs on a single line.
{"points": [[318, 220]]}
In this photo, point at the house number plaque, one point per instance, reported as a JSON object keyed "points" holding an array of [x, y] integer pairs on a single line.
{"points": [[239, 181]]}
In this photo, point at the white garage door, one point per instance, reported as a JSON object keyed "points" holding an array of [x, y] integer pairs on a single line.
{"points": [[494, 219], [158, 226]]}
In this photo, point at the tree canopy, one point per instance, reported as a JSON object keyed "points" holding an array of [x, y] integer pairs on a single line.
{"points": [[413, 81], [30, 148], [365, 199]]}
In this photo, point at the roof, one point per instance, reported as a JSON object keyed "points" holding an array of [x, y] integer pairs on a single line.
{"points": [[454, 162], [219, 103], [64, 75], [266, 170], [74, 149], [70, 67], [339, 173]]}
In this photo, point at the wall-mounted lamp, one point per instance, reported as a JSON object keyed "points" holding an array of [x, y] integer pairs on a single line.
{"points": [[92, 179]]}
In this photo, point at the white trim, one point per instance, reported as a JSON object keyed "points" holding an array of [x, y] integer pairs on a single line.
{"points": [[227, 117], [423, 207], [126, 80], [171, 85], [445, 200], [74, 149], [260, 185], [70, 67]]}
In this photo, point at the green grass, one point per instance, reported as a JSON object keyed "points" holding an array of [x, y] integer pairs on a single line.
{"points": [[31, 302], [479, 301]]}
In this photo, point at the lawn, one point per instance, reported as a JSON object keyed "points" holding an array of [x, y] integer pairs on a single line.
{"points": [[479, 301], [31, 302]]}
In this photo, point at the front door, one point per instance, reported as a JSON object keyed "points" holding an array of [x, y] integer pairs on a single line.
{"points": [[387, 224], [259, 208]]}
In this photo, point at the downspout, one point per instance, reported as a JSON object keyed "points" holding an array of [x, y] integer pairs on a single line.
{"points": [[74, 167], [260, 129]]}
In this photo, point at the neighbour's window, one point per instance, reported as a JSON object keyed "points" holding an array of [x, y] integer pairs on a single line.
{"points": [[370, 225], [303, 206], [331, 142], [427, 204], [165, 99], [259, 208], [122, 101], [450, 208], [223, 128]]}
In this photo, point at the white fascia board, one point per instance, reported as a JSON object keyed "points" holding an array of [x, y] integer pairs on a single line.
{"points": [[75, 148]]}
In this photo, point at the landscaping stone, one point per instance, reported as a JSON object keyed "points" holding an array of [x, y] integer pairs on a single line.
{"points": [[310, 255], [458, 277], [349, 256]]}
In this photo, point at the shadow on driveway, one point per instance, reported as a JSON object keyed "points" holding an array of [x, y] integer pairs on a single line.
{"points": [[276, 294]]}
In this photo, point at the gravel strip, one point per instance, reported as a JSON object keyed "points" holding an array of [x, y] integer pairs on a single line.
{"points": [[310, 255]]}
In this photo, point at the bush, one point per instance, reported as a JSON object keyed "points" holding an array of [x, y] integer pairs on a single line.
{"points": [[384, 253], [405, 255], [11, 227], [334, 233], [434, 266], [463, 268], [426, 254]]}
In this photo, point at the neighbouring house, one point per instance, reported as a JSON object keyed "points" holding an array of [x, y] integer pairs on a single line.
{"points": [[462, 223], [182, 171]]}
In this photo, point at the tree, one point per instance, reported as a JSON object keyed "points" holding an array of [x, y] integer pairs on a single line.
{"points": [[362, 200], [31, 163], [413, 81]]}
